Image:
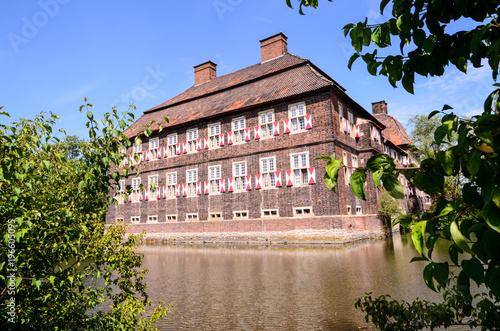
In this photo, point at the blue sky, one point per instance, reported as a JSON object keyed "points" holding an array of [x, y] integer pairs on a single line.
{"points": [[54, 53]]}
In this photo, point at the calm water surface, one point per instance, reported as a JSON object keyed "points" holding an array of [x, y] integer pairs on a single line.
{"points": [[279, 287]]}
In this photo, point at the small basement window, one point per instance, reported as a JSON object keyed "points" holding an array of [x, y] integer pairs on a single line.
{"points": [[215, 216], [241, 214], [358, 210], [302, 211], [270, 212], [135, 219], [119, 219], [191, 217], [152, 219], [349, 210], [171, 218]]}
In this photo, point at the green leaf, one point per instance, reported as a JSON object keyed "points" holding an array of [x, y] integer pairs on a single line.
{"points": [[404, 220], [353, 58], [432, 114], [496, 197], [453, 253], [491, 214], [325, 157], [474, 269], [393, 186], [478, 37], [380, 161], [459, 238], [445, 158], [419, 258], [474, 162], [418, 236], [428, 276], [358, 180], [377, 175], [441, 273]]}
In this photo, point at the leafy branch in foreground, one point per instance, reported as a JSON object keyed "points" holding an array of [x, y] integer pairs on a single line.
{"points": [[61, 267]]}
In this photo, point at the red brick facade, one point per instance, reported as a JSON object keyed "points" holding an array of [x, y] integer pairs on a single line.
{"points": [[284, 92]]}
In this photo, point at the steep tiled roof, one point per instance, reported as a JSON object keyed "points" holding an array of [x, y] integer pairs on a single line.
{"points": [[394, 130]]}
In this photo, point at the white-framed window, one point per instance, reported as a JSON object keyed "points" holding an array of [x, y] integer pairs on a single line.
{"points": [[239, 175], [137, 150], [359, 211], [152, 182], [191, 136], [266, 119], [213, 133], [119, 219], [192, 178], [171, 142], [341, 116], [171, 218], [267, 169], [300, 163], [240, 214], [215, 216], [354, 161], [135, 219], [344, 158], [191, 216], [153, 219], [302, 211], [214, 176], [171, 182], [349, 211], [154, 143], [297, 113], [136, 189], [350, 117], [238, 126], [122, 188], [270, 213], [427, 200]]}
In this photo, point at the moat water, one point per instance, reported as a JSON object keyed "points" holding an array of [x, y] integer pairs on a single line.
{"points": [[280, 287]]}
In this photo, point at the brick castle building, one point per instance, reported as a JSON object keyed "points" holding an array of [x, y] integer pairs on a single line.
{"points": [[239, 153]]}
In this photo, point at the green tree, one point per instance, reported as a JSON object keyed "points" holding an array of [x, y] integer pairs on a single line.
{"points": [[472, 226], [71, 146], [389, 208], [61, 268]]}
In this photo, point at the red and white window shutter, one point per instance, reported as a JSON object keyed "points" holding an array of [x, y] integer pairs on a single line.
{"points": [[247, 134], [158, 193], [278, 178], [308, 121], [207, 187], [130, 198], [287, 126], [256, 132], [348, 126], [198, 144], [164, 192], [158, 153], [165, 151], [141, 158], [276, 128], [198, 188], [140, 196], [125, 160], [207, 144], [184, 147], [258, 181], [288, 177], [184, 189], [222, 185], [177, 190], [249, 182], [146, 194], [356, 131], [230, 138], [311, 175], [178, 149], [344, 124], [230, 184], [148, 155], [221, 139]]}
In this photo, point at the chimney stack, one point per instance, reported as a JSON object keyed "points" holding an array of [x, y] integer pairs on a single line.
{"points": [[204, 72], [379, 107], [273, 46]]}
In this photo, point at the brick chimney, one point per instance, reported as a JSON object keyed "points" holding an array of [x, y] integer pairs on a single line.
{"points": [[204, 72], [273, 46], [379, 107]]}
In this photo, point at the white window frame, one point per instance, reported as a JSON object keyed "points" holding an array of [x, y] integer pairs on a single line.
{"points": [[213, 176], [238, 126], [154, 143], [191, 137], [427, 199], [171, 217], [359, 210], [171, 180], [240, 214], [239, 176], [302, 211], [270, 213], [192, 217], [152, 179], [137, 150], [354, 161], [171, 142], [217, 215], [349, 209], [214, 130], [299, 169], [122, 187], [268, 175], [136, 189], [135, 219], [350, 117], [152, 218], [341, 117], [296, 114], [266, 123], [191, 179]]}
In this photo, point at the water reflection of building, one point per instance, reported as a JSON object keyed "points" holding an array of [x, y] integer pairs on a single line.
{"points": [[239, 153]]}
